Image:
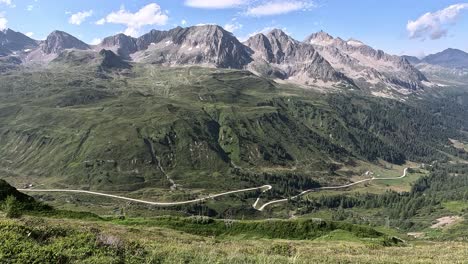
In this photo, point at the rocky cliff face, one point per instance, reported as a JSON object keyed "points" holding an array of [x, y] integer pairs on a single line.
{"points": [[12, 42], [58, 41], [208, 45], [292, 59], [120, 44], [320, 60], [110, 60], [365, 64]]}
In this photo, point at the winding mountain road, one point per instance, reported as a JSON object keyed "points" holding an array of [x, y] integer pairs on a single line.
{"points": [[327, 188], [263, 188]]}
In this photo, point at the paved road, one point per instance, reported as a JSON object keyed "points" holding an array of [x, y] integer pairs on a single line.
{"points": [[263, 188], [327, 188]]}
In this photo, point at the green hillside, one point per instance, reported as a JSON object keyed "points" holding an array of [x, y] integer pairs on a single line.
{"points": [[206, 130]]}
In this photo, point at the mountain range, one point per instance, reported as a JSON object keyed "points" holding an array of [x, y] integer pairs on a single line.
{"points": [[319, 61], [179, 114], [449, 67]]}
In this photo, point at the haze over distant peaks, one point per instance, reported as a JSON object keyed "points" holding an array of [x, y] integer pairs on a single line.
{"points": [[451, 58], [448, 67], [321, 60], [282, 56], [364, 64]]}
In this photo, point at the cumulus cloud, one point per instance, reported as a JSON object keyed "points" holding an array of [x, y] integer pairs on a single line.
{"points": [[29, 34], [29, 7], [435, 25], [101, 21], [205, 24], [276, 7], [265, 30], [80, 17], [233, 26], [96, 41], [150, 14], [7, 2], [3, 22], [255, 7], [215, 4]]}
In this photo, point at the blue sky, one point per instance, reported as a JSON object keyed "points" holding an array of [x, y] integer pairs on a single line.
{"points": [[413, 27]]}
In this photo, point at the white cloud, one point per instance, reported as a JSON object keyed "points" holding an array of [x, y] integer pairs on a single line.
{"points": [[29, 7], [96, 41], [261, 31], [150, 14], [183, 22], [133, 32], [7, 2], [80, 17], [29, 34], [3, 22], [101, 21], [215, 4], [231, 27], [435, 25], [277, 7], [204, 24], [265, 30]]}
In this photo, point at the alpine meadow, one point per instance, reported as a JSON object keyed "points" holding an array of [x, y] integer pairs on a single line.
{"points": [[270, 134]]}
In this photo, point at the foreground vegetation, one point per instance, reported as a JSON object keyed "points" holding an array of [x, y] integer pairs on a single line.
{"points": [[40, 234], [38, 240]]}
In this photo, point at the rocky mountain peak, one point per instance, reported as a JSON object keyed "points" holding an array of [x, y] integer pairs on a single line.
{"points": [[111, 60], [12, 41], [292, 59], [320, 38], [450, 58], [121, 44], [366, 64], [58, 41], [202, 34], [207, 44], [355, 42], [278, 33]]}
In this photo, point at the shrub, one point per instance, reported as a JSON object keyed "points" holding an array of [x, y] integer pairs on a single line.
{"points": [[12, 207]]}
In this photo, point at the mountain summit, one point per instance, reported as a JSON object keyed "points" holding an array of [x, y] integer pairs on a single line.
{"points": [[449, 67], [58, 41], [365, 65], [320, 61], [12, 42], [450, 58], [208, 45], [284, 56]]}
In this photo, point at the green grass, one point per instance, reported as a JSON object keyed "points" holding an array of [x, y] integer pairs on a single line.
{"points": [[404, 184], [70, 241], [73, 127], [303, 229], [456, 206]]}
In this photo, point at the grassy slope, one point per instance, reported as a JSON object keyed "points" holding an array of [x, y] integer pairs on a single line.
{"points": [[46, 241], [78, 238], [109, 131]]}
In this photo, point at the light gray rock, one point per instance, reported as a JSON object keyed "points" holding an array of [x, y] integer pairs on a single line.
{"points": [[291, 59], [12, 42], [59, 41], [208, 45], [364, 64]]}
